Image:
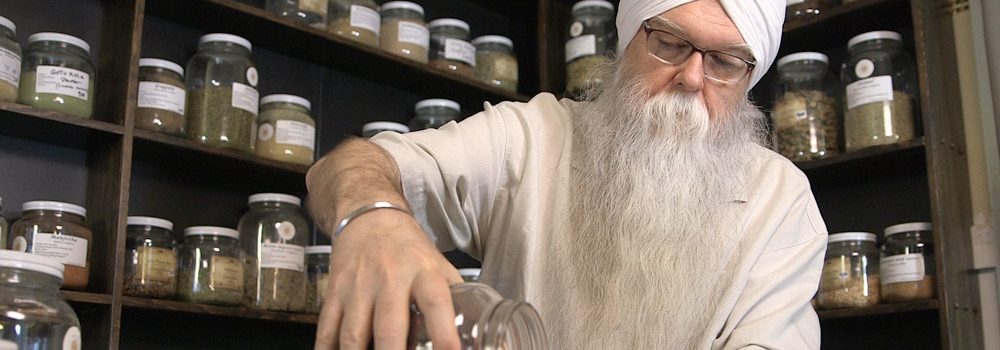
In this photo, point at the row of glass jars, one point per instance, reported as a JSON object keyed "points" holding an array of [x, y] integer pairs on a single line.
{"points": [[430, 114], [878, 83], [857, 273], [591, 40]]}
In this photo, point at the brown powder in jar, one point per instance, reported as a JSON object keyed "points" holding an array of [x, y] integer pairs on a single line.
{"points": [[906, 291], [454, 67], [76, 277], [851, 294], [342, 27], [389, 41]]}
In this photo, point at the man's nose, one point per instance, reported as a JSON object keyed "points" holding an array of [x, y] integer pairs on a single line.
{"points": [[691, 76]]}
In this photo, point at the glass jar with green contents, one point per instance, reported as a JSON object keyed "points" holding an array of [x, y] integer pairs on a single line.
{"points": [[495, 61], [285, 130], [591, 39], [57, 75], [450, 47], [10, 61], [357, 20], [404, 32], [311, 12], [222, 97], [150, 259], [318, 265], [433, 113], [162, 97], [34, 314], [805, 107], [209, 270], [274, 234]]}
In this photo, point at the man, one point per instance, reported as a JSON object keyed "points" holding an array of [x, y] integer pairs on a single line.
{"points": [[649, 218]]}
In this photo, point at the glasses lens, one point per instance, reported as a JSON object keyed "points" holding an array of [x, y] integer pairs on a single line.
{"points": [[668, 47], [725, 67]]}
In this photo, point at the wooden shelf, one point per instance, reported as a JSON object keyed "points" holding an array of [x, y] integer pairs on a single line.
{"points": [[873, 162], [184, 147], [878, 310], [876, 152], [842, 11], [26, 122], [840, 23], [214, 310], [84, 297]]}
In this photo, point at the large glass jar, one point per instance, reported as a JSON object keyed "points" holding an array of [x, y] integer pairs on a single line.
{"points": [[908, 262], [208, 267], [357, 20], [495, 61], [222, 93], [591, 40], [285, 131], [274, 233], [311, 12], [371, 129], [881, 91], [485, 320], [318, 265], [450, 47], [150, 258], [162, 97], [802, 9], [10, 61], [58, 231], [33, 315], [404, 32], [805, 107], [850, 271], [57, 75], [433, 113]]}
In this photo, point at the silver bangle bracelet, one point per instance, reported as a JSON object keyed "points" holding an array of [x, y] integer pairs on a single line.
{"points": [[360, 211]]}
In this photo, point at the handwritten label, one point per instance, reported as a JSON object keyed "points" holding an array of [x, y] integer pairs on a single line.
{"points": [[10, 66], [459, 50], [161, 96], [62, 81]]}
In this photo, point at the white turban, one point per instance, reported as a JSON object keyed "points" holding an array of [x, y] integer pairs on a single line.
{"points": [[759, 21]]}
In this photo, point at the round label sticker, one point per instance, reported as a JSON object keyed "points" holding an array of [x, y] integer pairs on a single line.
{"points": [[265, 132], [19, 244], [252, 76], [575, 29], [864, 68], [286, 230], [72, 339]]}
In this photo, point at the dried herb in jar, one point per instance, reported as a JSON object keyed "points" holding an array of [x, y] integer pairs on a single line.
{"points": [[880, 123], [216, 122], [806, 125], [276, 289]]}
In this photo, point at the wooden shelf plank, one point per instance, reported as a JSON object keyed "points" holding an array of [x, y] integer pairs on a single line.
{"points": [[867, 153], [85, 297], [184, 145], [214, 310], [26, 122], [878, 310]]}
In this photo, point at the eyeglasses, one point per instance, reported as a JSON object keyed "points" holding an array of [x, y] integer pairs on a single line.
{"points": [[673, 50]]}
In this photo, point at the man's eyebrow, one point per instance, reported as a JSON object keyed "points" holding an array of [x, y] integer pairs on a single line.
{"points": [[742, 48], [673, 27]]}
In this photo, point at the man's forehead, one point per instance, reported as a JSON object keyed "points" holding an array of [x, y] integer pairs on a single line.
{"points": [[664, 21]]}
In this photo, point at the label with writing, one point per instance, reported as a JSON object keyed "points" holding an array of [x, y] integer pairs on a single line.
{"points": [[10, 66], [225, 273], [314, 6], [161, 96], [902, 268], [68, 250], [156, 264], [871, 90], [413, 33], [72, 340], [584, 45], [459, 50], [245, 98], [282, 256], [365, 18], [62, 81], [295, 133]]}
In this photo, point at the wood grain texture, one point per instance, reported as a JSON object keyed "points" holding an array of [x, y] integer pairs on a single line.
{"points": [[202, 309], [880, 309]]}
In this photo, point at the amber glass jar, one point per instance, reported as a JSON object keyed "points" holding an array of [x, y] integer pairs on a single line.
{"points": [[58, 231]]}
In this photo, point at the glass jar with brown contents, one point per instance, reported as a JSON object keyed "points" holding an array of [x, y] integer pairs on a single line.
{"points": [[150, 259], [908, 262], [357, 20], [450, 47], [495, 61], [591, 39], [58, 231], [404, 32], [806, 126], [274, 234], [850, 271], [162, 97]]}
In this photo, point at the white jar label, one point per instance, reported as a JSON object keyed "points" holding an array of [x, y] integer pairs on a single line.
{"points": [[902, 268], [314, 6], [286, 230], [864, 68], [19, 244], [10, 66], [225, 273], [245, 98], [161, 96], [871, 90], [413, 33], [282, 256], [794, 2], [459, 50], [265, 132], [72, 340], [155, 264], [66, 249], [575, 29], [252, 76], [62, 81], [584, 45], [295, 133], [365, 18]]}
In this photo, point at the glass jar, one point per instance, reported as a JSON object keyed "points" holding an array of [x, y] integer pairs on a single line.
{"points": [[805, 107], [485, 320], [150, 258], [881, 91], [469, 274], [10, 61], [57, 75], [357, 20], [222, 93], [208, 267], [318, 267], [850, 271], [371, 129], [908, 262], [162, 97], [58, 231], [804, 9], [274, 233], [434, 113], [33, 315], [450, 47], [592, 39], [285, 130], [404, 32], [310, 12], [495, 61]]}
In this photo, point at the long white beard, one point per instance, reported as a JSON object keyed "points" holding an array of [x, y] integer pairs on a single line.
{"points": [[652, 222]]}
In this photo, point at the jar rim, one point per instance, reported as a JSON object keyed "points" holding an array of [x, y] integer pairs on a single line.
{"points": [[60, 37], [908, 227], [874, 35], [470, 272], [161, 63], [287, 99], [383, 125], [32, 262], [593, 3], [150, 221], [803, 56], [437, 102], [8, 23], [225, 37], [852, 236], [449, 22], [53, 205], [493, 39], [397, 5], [211, 231], [274, 197], [319, 249]]}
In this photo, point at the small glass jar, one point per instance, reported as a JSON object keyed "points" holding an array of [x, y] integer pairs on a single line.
{"points": [[58, 231], [805, 107], [35, 316], [318, 266], [434, 113], [57, 75], [10, 61], [310, 12], [404, 32], [908, 262], [850, 271], [469, 274], [285, 131], [222, 98], [357, 20], [591, 40], [804, 9], [150, 258], [162, 97], [274, 234], [450, 47], [371, 129], [881, 91], [485, 320], [495, 61], [209, 270]]}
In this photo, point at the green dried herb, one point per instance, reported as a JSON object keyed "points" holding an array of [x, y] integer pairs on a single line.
{"points": [[880, 123], [212, 120], [806, 125]]}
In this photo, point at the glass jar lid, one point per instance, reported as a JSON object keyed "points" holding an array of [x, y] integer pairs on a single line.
{"points": [[437, 102], [60, 37], [319, 249], [286, 99], [31, 262], [876, 35], [275, 197], [158, 63], [803, 56], [593, 3], [469, 272], [493, 39], [402, 5], [8, 23], [449, 22], [52, 205], [907, 227], [392, 126], [150, 221], [211, 231], [853, 236], [227, 38]]}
